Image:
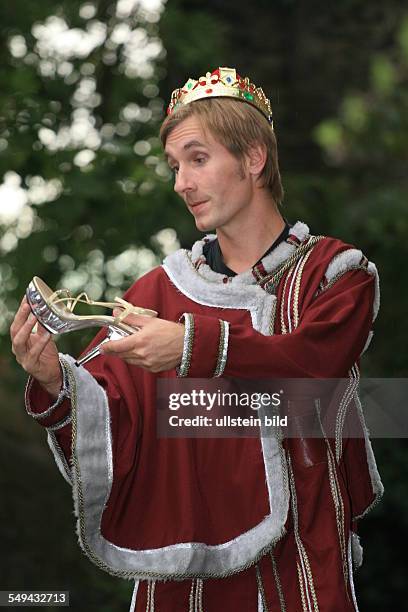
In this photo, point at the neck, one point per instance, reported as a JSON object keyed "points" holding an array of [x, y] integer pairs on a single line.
{"points": [[243, 246]]}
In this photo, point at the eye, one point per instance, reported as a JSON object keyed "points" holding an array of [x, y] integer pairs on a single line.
{"points": [[200, 160], [174, 169]]}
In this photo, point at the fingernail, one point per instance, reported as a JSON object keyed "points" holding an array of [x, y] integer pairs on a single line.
{"points": [[31, 317]]}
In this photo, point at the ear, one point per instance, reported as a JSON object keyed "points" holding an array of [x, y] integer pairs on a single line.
{"points": [[256, 159]]}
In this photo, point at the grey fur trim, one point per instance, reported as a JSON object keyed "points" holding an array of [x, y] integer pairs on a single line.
{"points": [[356, 550], [300, 230], [349, 260], [183, 275], [260, 602], [350, 573], [92, 477], [378, 488], [343, 262], [373, 270], [197, 248], [368, 341], [270, 262]]}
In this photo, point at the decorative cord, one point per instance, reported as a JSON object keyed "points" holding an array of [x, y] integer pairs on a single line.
{"points": [[222, 349], [184, 366], [196, 596], [151, 585], [64, 393]]}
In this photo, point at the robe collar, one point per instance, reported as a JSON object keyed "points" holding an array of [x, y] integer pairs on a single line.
{"points": [[193, 277], [298, 233]]}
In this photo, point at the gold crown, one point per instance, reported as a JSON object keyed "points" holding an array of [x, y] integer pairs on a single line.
{"points": [[223, 82]]}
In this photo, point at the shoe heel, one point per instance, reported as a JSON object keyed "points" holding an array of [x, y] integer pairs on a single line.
{"points": [[113, 334]]}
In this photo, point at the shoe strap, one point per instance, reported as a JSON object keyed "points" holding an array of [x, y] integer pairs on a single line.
{"points": [[127, 309], [70, 303]]}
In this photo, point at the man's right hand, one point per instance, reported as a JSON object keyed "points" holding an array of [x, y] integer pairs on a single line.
{"points": [[35, 352]]}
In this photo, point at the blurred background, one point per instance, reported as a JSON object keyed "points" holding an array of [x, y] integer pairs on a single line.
{"points": [[86, 202]]}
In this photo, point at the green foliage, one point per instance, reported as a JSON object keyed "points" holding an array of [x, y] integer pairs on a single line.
{"points": [[383, 75], [366, 144], [402, 38], [75, 119]]}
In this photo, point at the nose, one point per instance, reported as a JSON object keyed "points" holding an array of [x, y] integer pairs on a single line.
{"points": [[183, 181]]}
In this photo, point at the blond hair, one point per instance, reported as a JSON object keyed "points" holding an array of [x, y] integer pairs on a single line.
{"points": [[238, 126]]}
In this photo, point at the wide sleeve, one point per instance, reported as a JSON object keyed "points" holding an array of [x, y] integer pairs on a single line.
{"points": [[111, 376], [120, 383], [332, 332]]}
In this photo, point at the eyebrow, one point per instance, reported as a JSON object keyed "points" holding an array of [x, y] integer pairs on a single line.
{"points": [[187, 146]]}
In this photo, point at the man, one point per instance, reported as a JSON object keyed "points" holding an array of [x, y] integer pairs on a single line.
{"points": [[239, 524]]}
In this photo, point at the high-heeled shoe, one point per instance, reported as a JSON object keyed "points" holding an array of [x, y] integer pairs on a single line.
{"points": [[54, 310]]}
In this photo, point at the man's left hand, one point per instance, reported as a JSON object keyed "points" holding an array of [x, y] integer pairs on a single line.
{"points": [[157, 346]]}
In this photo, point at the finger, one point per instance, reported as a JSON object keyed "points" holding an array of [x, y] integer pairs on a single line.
{"points": [[130, 358], [21, 338], [36, 349], [41, 330], [135, 320], [19, 319], [124, 345]]}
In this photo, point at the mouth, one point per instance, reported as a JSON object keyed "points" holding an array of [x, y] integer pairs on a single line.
{"points": [[197, 206]]}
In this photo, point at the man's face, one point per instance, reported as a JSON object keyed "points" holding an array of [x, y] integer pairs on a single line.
{"points": [[208, 177]]}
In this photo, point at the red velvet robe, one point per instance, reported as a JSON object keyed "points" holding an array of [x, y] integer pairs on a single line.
{"points": [[166, 492]]}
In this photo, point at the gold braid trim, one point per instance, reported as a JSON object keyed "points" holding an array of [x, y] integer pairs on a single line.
{"points": [[272, 318], [222, 349], [351, 391], [273, 279], [334, 484], [282, 310], [278, 584], [335, 278], [297, 289], [301, 588], [196, 596], [339, 510], [338, 505], [309, 583], [191, 597], [188, 343], [151, 585], [199, 595]]}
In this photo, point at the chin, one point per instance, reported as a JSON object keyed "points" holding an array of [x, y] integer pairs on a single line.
{"points": [[204, 226]]}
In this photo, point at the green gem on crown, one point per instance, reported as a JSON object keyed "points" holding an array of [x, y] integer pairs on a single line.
{"points": [[248, 96]]}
